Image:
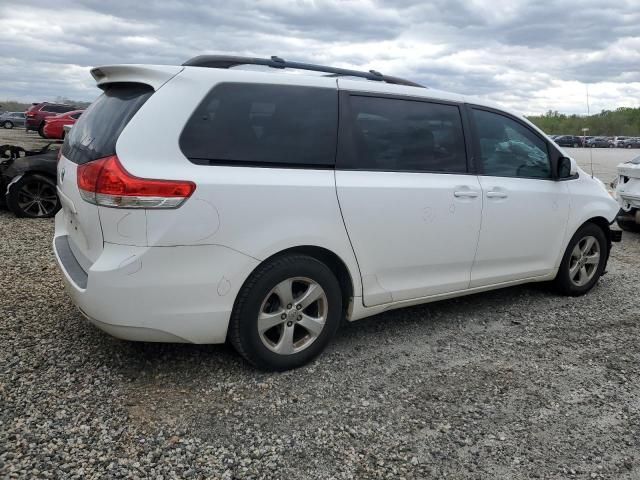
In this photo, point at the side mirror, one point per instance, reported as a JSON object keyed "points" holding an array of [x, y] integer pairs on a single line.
{"points": [[567, 167]]}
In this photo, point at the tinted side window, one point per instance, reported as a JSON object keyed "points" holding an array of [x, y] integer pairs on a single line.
{"points": [[95, 133], [405, 135], [76, 115], [509, 149], [263, 124]]}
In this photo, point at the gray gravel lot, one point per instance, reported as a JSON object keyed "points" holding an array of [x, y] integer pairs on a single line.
{"points": [[512, 384]]}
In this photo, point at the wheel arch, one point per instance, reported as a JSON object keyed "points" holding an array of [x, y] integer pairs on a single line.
{"points": [[604, 225], [42, 173], [337, 265]]}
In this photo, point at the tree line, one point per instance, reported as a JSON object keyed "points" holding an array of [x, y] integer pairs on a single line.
{"points": [[622, 121]]}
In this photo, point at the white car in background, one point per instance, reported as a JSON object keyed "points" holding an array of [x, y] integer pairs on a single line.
{"points": [[628, 195], [207, 202]]}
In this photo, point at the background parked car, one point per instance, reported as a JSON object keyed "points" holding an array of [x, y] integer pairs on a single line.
{"points": [[30, 183], [39, 111], [12, 119], [53, 126], [568, 141], [617, 141], [598, 142], [631, 142]]}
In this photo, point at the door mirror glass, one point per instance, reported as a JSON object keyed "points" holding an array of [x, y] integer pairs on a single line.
{"points": [[567, 167]]}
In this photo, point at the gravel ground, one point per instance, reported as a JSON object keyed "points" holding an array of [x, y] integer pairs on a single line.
{"points": [[18, 136], [510, 384]]}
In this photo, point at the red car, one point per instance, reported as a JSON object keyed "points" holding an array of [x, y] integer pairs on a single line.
{"points": [[53, 125], [36, 114]]}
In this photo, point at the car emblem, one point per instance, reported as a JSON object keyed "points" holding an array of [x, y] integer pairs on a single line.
{"points": [[62, 175]]}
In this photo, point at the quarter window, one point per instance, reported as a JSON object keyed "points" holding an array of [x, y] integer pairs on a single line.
{"points": [[509, 149], [405, 135], [263, 124]]}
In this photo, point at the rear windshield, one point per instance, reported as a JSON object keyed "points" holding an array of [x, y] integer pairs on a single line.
{"points": [[95, 134]]}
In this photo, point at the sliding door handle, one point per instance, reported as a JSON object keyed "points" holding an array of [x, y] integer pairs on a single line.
{"points": [[465, 194], [494, 194]]}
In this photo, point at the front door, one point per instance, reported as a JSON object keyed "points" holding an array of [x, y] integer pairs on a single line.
{"points": [[525, 211]]}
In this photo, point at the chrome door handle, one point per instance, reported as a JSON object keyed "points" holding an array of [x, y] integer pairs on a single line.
{"points": [[465, 193], [495, 194]]}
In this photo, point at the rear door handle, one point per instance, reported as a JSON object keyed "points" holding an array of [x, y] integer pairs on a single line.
{"points": [[494, 194], [465, 193]]}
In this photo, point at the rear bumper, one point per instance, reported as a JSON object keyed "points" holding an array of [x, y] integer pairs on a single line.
{"points": [[32, 123], [155, 294]]}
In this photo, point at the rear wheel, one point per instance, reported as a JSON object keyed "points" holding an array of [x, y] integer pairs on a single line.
{"points": [[575, 145], [286, 313], [41, 131], [8, 124], [33, 196], [583, 261]]}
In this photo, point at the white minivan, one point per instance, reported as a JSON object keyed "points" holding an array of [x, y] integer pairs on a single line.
{"points": [[262, 202]]}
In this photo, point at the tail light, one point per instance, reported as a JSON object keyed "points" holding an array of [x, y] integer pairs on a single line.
{"points": [[105, 182], [31, 115]]}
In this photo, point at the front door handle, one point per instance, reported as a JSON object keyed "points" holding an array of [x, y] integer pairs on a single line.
{"points": [[496, 194], [465, 193]]}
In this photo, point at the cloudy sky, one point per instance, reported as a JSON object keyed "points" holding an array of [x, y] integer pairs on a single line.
{"points": [[529, 55]]}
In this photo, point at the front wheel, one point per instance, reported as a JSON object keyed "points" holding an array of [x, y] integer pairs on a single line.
{"points": [[583, 261], [286, 312], [8, 124], [33, 196]]}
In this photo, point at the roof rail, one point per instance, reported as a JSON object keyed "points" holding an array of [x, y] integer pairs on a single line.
{"points": [[227, 61]]}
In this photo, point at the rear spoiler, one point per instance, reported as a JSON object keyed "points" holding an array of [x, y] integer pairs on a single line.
{"points": [[153, 75]]}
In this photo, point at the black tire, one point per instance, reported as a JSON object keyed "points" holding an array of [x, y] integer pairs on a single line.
{"points": [[563, 282], [243, 326], [8, 124], [33, 185], [41, 131], [629, 225]]}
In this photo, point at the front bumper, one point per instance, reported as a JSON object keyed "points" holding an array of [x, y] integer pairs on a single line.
{"points": [[155, 294]]}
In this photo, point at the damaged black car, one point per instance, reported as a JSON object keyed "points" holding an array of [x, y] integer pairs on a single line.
{"points": [[28, 180]]}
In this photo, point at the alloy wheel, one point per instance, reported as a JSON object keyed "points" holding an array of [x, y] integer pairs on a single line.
{"points": [[292, 315], [584, 261], [37, 199]]}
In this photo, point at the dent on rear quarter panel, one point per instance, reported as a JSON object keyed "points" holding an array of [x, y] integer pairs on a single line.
{"points": [[195, 222]]}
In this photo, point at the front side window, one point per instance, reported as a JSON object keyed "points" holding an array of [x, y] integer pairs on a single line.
{"points": [[263, 124], [405, 135], [509, 149]]}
